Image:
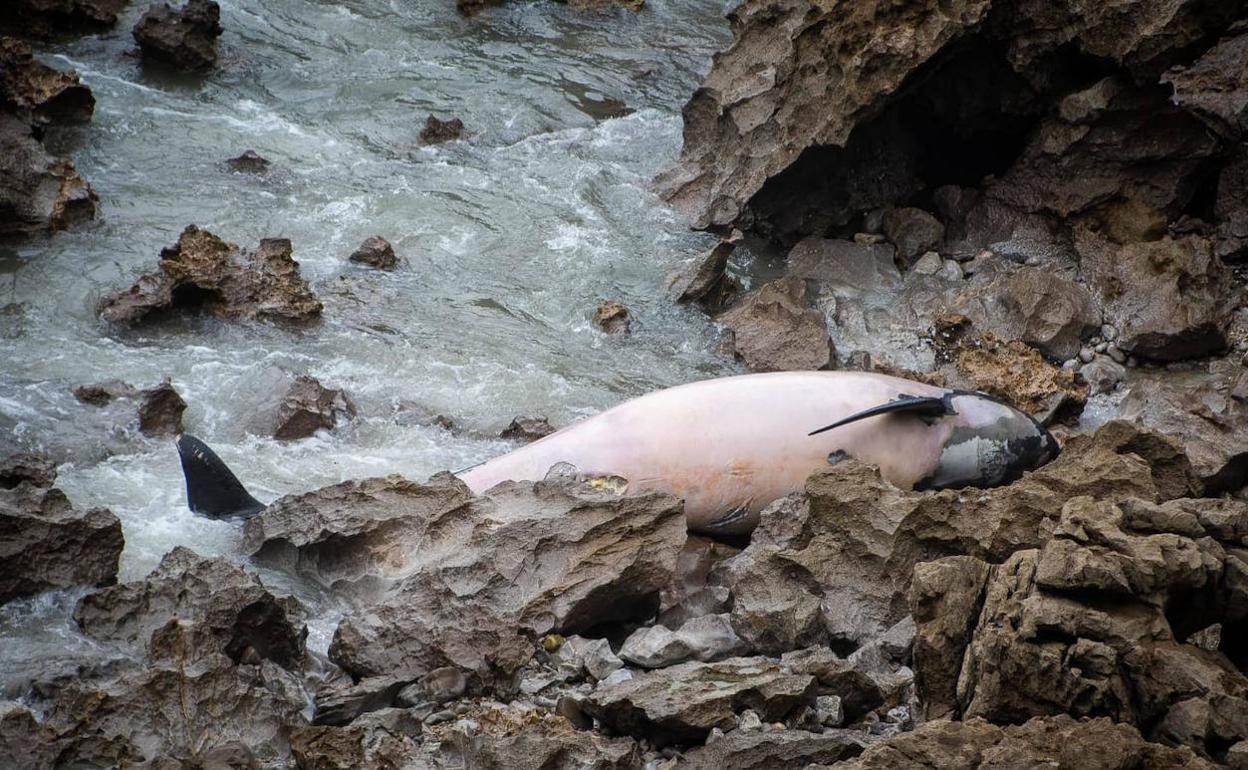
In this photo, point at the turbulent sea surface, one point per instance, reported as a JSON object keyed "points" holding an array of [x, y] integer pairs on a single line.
{"points": [[509, 240]]}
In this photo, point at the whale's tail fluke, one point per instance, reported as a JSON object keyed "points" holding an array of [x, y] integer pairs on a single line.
{"points": [[212, 489]]}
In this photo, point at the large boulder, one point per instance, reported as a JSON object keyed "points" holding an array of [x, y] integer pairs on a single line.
{"points": [[38, 192], [487, 579], [774, 329], [185, 38], [158, 411], [31, 87], [203, 272], [45, 542], [776, 750], [683, 703], [45, 18]]}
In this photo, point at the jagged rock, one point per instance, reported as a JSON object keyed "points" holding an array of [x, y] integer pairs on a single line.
{"points": [[356, 532], [1215, 86], [781, 750], [833, 565], [227, 610], [187, 706], [438, 131], [708, 600], [185, 38], [376, 252], [527, 429], [37, 191], [203, 272], [543, 743], [309, 406], [1200, 410], [524, 560], [341, 702], [1049, 312], [45, 542], [1102, 374], [159, 411], [250, 162], [913, 231], [683, 703], [774, 329], [23, 740], [859, 692], [1086, 624], [387, 738], [48, 95], [612, 318], [1058, 741], [946, 597], [593, 655], [1169, 299], [704, 279], [1017, 374], [704, 638], [45, 18]]}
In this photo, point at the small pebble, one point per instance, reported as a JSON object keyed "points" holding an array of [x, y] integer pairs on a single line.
{"points": [[829, 710], [952, 270], [1086, 355], [1109, 332], [714, 735], [461, 709], [439, 716], [1101, 347], [1070, 364], [544, 702], [1115, 353], [868, 238], [749, 721]]}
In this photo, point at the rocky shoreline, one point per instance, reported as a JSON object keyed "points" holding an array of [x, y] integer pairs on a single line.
{"points": [[1046, 204]]}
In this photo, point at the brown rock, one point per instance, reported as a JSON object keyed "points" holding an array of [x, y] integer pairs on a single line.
{"points": [[250, 162], [1047, 311], [1058, 741], [1169, 299], [704, 279], [45, 542], [946, 597], [681, 704], [185, 38], [527, 429], [1198, 410], [438, 131], [1215, 86], [203, 272], [913, 231], [225, 609], [37, 191], [543, 743], [309, 406], [1018, 374], [612, 318], [45, 18], [50, 96], [781, 750], [491, 577], [774, 329], [381, 739], [160, 412], [375, 252]]}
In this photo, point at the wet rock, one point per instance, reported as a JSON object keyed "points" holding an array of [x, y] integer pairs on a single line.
{"points": [[1047, 311], [1058, 741], [913, 231], [380, 739], [705, 638], [159, 409], [47, 18], [612, 318], [683, 703], [1215, 86], [46, 543], [38, 192], [225, 609], [1199, 410], [782, 750], [309, 406], [375, 252], [527, 559], [527, 429], [1017, 374], [1086, 624], [438, 131], [250, 162], [203, 272], [704, 279], [23, 739], [1102, 374], [774, 329], [343, 701], [47, 95], [1170, 299], [355, 533], [185, 38]]}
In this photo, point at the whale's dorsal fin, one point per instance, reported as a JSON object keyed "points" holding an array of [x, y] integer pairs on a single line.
{"points": [[920, 406], [212, 489]]}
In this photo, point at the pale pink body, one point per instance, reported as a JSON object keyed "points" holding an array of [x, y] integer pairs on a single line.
{"points": [[736, 443]]}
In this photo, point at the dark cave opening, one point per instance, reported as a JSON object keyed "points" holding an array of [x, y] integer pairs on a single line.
{"points": [[195, 298]]}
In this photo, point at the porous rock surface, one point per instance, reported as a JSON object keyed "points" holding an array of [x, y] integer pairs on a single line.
{"points": [[45, 542], [309, 406], [185, 38], [203, 272]]}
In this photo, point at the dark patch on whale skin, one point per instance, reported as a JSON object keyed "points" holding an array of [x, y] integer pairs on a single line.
{"points": [[837, 456]]}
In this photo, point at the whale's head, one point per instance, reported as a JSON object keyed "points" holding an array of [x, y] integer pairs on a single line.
{"points": [[991, 443]]}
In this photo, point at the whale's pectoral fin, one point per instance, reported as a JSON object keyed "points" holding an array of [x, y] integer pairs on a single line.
{"points": [[212, 489], [923, 407]]}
